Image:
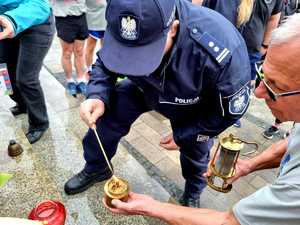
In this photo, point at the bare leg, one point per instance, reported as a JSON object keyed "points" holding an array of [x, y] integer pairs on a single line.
{"points": [[66, 59], [79, 58], [89, 51]]}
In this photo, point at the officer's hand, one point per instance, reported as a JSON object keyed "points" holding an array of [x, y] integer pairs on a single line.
{"points": [[168, 143], [91, 110], [7, 29], [242, 169], [137, 204]]}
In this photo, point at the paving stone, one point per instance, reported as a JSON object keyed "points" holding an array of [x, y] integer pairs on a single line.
{"points": [[148, 150], [258, 182], [133, 134], [155, 121], [172, 171], [243, 188]]}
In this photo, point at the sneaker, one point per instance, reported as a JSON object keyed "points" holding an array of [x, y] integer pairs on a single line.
{"points": [[269, 133], [237, 124], [189, 201], [71, 88], [81, 88]]}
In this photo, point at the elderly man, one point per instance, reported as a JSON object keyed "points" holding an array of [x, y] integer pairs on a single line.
{"points": [[278, 203]]}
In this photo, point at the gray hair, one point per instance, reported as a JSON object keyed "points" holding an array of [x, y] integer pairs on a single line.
{"points": [[290, 29]]}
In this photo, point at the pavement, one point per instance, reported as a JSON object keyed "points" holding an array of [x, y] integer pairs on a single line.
{"points": [[43, 168]]}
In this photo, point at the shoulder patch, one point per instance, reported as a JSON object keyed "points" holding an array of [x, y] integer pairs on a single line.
{"points": [[238, 103]]}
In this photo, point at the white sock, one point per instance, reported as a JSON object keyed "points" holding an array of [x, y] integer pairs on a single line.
{"points": [[70, 80], [82, 80]]}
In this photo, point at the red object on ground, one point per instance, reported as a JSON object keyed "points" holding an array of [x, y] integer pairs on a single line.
{"points": [[49, 212]]}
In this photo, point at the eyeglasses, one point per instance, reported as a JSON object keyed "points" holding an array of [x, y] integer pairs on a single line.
{"points": [[272, 94]]}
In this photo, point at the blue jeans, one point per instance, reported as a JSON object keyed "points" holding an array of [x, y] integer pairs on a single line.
{"points": [[254, 58], [24, 55]]}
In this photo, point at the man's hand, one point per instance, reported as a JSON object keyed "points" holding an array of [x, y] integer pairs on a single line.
{"points": [[91, 110], [137, 204], [168, 143], [242, 169], [7, 30]]}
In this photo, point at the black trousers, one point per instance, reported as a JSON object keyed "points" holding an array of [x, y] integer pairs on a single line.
{"points": [[24, 55]]}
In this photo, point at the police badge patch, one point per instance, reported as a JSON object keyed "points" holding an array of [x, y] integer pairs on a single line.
{"points": [[128, 28], [239, 102]]}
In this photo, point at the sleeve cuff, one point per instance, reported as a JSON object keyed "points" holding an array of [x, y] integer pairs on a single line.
{"points": [[100, 98], [13, 23]]}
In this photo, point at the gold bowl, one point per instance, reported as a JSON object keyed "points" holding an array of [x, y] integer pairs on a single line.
{"points": [[116, 188]]}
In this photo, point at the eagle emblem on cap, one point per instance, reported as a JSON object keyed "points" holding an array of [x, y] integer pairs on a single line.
{"points": [[129, 28]]}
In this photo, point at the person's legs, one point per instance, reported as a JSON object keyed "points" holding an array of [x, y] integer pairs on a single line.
{"points": [[34, 45], [89, 51], [126, 104], [66, 62], [9, 52], [194, 158], [79, 60], [91, 45], [66, 58]]}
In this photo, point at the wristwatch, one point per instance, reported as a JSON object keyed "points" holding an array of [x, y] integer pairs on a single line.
{"points": [[264, 45]]}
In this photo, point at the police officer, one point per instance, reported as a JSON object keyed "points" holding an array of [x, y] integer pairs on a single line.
{"points": [[186, 62]]}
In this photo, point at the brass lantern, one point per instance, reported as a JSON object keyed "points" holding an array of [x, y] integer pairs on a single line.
{"points": [[223, 163]]}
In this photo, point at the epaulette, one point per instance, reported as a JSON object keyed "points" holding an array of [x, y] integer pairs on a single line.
{"points": [[220, 53]]}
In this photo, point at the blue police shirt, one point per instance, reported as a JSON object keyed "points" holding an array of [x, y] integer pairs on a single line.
{"points": [[204, 86]]}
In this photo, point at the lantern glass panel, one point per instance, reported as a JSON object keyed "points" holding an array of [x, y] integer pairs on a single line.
{"points": [[225, 162]]}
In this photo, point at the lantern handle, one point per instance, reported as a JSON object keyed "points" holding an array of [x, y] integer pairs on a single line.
{"points": [[248, 143]]}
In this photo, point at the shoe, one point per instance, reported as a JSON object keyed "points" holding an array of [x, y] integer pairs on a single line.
{"points": [[83, 180], [269, 133], [81, 88], [238, 124], [189, 201], [71, 88], [286, 134], [17, 110], [34, 135]]}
